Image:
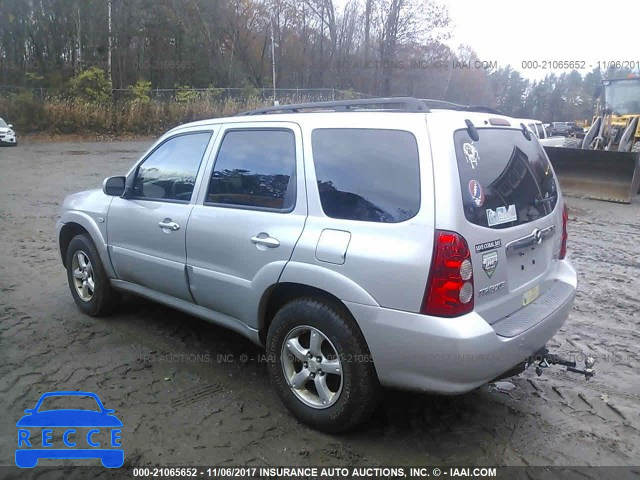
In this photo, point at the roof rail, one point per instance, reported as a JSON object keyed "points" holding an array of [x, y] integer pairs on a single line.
{"points": [[393, 104], [431, 103]]}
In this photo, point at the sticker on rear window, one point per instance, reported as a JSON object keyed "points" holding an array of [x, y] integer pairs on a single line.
{"points": [[477, 193], [471, 154], [502, 215]]}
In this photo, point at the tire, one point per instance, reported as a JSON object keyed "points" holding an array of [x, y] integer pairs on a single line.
{"points": [[355, 390], [570, 142], [102, 299]]}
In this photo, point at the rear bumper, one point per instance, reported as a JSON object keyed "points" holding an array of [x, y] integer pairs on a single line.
{"points": [[452, 355]]}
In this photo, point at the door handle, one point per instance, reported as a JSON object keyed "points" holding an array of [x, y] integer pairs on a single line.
{"points": [[265, 240], [534, 238], [169, 224]]}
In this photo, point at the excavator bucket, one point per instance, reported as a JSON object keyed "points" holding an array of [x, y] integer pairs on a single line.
{"points": [[599, 174]]}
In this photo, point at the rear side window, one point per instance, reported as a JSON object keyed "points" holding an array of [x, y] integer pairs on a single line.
{"points": [[369, 175], [255, 169], [505, 179]]}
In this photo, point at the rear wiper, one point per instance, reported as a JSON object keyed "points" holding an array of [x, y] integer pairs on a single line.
{"points": [[538, 201]]}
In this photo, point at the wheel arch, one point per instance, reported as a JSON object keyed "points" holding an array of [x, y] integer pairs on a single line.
{"points": [[76, 223], [67, 232], [282, 293]]}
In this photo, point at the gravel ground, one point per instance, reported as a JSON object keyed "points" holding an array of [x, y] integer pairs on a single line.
{"points": [[162, 372]]}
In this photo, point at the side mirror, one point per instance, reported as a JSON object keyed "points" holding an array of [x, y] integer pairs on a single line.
{"points": [[10, 125], [29, 410], [114, 186]]}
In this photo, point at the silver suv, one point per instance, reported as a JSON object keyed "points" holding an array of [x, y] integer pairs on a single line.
{"points": [[363, 243]]}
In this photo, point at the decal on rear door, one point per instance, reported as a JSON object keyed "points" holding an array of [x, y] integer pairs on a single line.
{"points": [[493, 244], [490, 262]]}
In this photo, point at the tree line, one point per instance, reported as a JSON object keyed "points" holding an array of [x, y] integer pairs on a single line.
{"points": [[377, 47]]}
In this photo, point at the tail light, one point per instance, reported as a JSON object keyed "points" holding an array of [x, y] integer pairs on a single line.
{"points": [[565, 234], [449, 291]]}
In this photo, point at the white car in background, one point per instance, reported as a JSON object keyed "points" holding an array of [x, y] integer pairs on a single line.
{"points": [[7, 135], [539, 130]]}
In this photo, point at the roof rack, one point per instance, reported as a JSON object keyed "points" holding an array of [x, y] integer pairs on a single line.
{"points": [[388, 104], [393, 104], [431, 103]]}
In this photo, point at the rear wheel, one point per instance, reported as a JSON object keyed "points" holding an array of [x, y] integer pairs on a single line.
{"points": [[320, 365], [87, 279]]}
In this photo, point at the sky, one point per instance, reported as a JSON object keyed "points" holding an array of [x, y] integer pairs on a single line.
{"points": [[513, 31]]}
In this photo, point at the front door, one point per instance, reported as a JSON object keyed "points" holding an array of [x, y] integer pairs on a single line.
{"points": [[146, 232]]}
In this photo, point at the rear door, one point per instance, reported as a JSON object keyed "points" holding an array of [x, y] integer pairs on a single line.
{"points": [[249, 216], [510, 214], [510, 198]]}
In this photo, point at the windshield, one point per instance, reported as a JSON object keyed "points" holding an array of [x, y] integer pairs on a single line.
{"points": [[623, 96], [3, 123]]}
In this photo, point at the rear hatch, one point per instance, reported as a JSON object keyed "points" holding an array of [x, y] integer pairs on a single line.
{"points": [[510, 214]]}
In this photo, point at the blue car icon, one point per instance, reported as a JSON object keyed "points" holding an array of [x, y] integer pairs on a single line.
{"points": [[40, 422]]}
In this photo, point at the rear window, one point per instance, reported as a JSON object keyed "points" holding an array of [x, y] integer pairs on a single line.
{"points": [[367, 174], [505, 179]]}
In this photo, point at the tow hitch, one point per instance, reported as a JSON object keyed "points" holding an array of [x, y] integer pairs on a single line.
{"points": [[543, 359]]}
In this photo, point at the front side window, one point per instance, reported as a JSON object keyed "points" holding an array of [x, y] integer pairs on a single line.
{"points": [[370, 175], [169, 172], [255, 169]]}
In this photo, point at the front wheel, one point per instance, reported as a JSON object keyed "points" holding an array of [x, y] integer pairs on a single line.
{"points": [[87, 279], [320, 365]]}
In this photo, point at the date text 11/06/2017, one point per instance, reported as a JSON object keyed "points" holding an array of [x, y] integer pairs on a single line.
{"points": [[579, 64]]}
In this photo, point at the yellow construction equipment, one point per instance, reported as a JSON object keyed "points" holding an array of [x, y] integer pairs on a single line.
{"points": [[605, 164]]}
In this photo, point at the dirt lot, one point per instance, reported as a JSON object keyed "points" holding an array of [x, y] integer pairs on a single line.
{"points": [[160, 369]]}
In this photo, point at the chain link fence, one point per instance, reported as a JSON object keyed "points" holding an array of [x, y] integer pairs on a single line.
{"points": [[282, 95], [184, 94]]}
